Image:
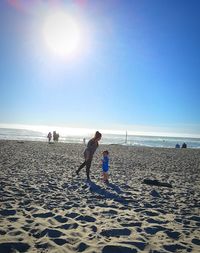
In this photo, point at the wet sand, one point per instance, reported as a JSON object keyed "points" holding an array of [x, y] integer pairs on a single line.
{"points": [[46, 207]]}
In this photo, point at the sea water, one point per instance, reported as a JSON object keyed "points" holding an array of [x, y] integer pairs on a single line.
{"points": [[132, 140]]}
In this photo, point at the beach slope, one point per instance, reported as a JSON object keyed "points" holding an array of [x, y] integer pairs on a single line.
{"points": [[46, 207]]}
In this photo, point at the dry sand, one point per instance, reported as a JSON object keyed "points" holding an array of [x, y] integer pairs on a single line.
{"points": [[46, 207]]}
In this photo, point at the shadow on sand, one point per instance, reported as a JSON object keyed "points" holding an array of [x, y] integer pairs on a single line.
{"points": [[107, 192]]}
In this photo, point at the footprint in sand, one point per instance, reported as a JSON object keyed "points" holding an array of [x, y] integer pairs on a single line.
{"points": [[139, 245], [86, 218], [153, 230], [43, 215], [15, 233], [60, 241], [110, 212], [174, 247], [196, 241], [82, 247], [116, 232], [8, 212], [150, 220], [14, 246], [52, 233], [118, 249], [60, 219], [72, 215], [149, 213], [173, 234], [43, 246], [13, 219], [2, 232], [68, 226], [132, 224]]}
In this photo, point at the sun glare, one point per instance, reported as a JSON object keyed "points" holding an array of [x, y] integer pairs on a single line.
{"points": [[62, 33]]}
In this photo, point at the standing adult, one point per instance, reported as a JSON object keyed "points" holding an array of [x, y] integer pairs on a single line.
{"points": [[89, 152], [49, 136]]}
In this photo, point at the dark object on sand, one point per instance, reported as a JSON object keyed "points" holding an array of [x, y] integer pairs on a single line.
{"points": [[156, 183]]}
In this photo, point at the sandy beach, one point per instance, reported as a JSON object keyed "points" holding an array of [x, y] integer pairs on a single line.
{"points": [[46, 207]]}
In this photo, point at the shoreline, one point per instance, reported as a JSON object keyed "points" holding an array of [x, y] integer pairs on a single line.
{"points": [[130, 140], [104, 144], [45, 207]]}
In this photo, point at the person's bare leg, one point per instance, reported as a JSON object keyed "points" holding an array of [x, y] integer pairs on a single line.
{"points": [[81, 166], [88, 165]]}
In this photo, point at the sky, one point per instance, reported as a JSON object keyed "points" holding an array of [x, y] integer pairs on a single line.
{"points": [[131, 65]]}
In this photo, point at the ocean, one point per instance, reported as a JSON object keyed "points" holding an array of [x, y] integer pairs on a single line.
{"points": [[132, 140]]}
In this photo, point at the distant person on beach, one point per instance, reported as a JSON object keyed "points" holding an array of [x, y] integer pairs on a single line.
{"points": [[89, 152], [49, 136], [177, 146], [55, 136], [184, 145], [105, 166]]}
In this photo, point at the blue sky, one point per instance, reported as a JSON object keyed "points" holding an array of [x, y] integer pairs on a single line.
{"points": [[137, 67]]}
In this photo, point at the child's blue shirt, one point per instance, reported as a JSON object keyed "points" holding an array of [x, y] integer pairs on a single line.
{"points": [[105, 164]]}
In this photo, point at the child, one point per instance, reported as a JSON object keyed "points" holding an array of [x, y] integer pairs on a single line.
{"points": [[105, 166]]}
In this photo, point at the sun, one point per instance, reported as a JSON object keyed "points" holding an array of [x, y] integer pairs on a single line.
{"points": [[62, 33]]}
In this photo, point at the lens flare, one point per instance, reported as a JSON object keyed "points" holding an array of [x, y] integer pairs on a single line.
{"points": [[62, 33]]}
